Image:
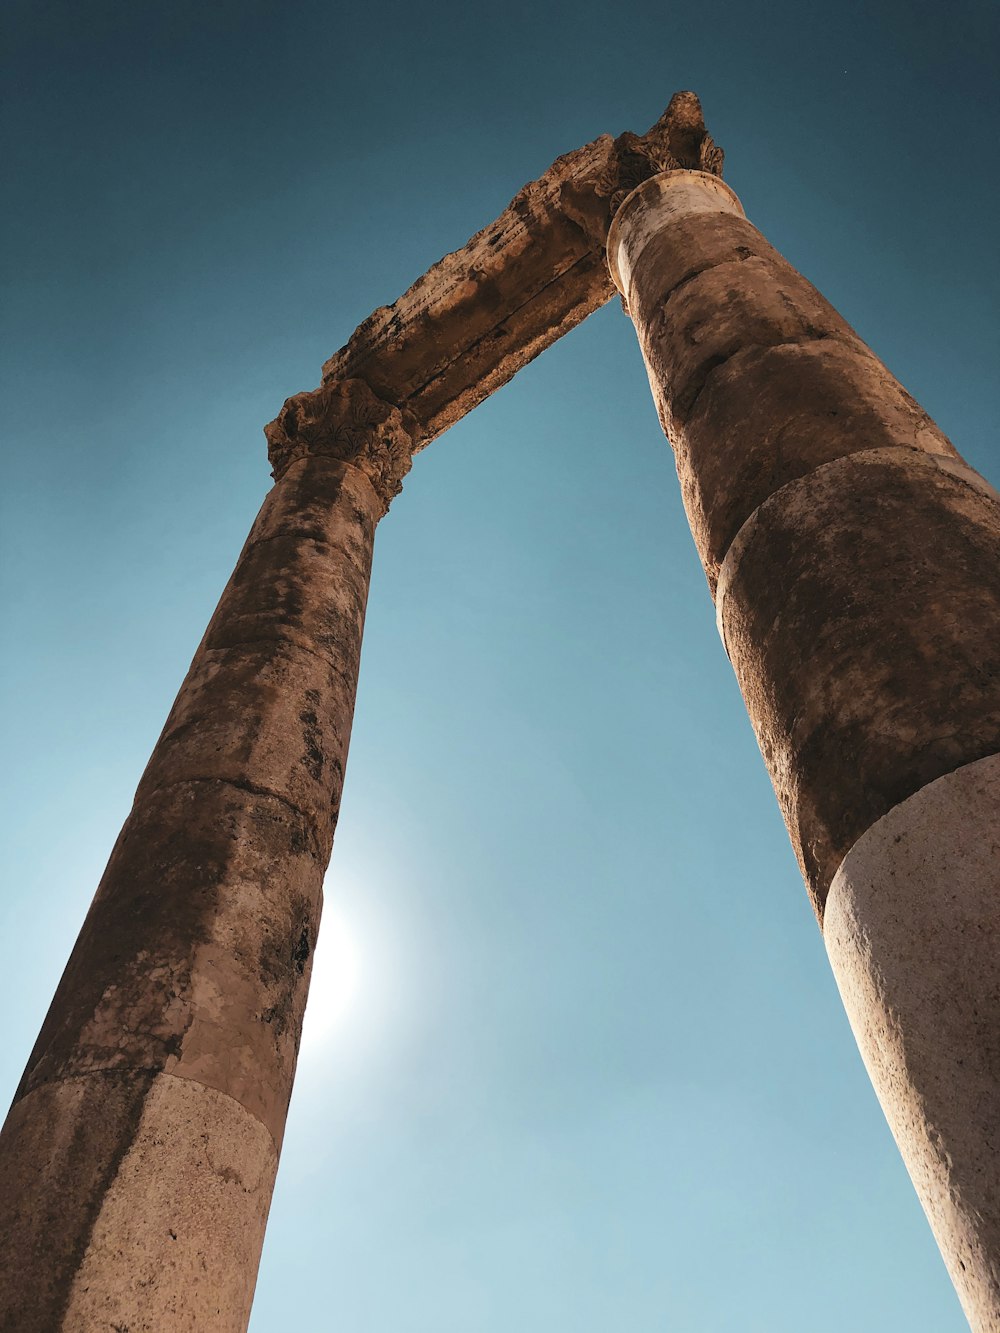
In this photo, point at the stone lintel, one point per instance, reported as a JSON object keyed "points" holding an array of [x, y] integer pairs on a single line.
{"points": [[482, 312]]}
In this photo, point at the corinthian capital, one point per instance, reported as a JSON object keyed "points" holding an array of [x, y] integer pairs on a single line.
{"points": [[678, 141], [347, 421]]}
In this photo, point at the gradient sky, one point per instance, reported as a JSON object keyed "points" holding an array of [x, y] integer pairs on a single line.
{"points": [[575, 1059]]}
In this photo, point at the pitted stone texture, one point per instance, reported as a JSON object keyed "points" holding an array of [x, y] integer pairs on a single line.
{"points": [[196, 954], [913, 933], [680, 246], [190, 974], [859, 606], [269, 699], [345, 421], [321, 518], [652, 207], [265, 716], [678, 141], [131, 1202], [649, 209], [756, 378], [477, 316], [721, 311], [772, 414]]}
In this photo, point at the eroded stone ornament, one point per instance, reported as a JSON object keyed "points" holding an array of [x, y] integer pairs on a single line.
{"points": [[345, 420], [678, 141]]}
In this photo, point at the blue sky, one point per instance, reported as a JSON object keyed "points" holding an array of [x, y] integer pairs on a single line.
{"points": [[575, 1058]]}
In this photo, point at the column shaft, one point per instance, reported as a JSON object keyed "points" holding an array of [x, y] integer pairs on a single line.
{"points": [[855, 561], [138, 1158]]}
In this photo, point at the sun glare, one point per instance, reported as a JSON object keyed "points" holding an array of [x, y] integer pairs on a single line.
{"points": [[334, 980]]}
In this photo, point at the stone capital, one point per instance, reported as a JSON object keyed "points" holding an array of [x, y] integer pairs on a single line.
{"points": [[678, 141], [345, 420]]}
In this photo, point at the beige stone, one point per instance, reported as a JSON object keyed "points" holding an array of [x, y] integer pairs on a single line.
{"points": [[913, 934], [169, 1182]]}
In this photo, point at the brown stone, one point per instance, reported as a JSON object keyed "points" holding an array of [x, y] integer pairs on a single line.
{"points": [[481, 313], [206, 920], [855, 561], [772, 414], [757, 379], [859, 606], [723, 309], [138, 1158]]}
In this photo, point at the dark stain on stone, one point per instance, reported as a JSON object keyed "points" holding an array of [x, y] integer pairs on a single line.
{"points": [[862, 619], [303, 949], [312, 736], [283, 958]]}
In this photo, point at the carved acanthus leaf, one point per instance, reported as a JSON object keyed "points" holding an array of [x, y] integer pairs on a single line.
{"points": [[347, 421], [711, 156], [678, 140]]}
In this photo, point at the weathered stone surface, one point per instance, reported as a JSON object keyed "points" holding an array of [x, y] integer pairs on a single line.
{"points": [[269, 699], [913, 935], [176, 1023], [757, 379], [59, 1152], [481, 313], [724, 310], [132, 1201], [857, 563], [771, 414], [343, 420], [859, 606], [700, 206], [196, 953]]}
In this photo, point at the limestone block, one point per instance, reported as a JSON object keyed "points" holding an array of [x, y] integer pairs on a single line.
{"points": [[133, 1201], [913, 934]]}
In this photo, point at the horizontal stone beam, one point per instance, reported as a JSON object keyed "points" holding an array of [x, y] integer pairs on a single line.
{"points": [[484, 311]]}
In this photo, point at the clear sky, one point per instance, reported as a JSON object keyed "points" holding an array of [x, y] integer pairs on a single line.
{"points": [[575, 1058]]}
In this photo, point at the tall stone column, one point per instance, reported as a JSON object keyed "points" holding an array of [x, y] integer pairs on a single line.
{"points": [[138, 1158], [855, 562]]}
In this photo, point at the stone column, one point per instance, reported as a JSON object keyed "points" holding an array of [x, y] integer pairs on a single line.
{"points": [[855, 562], [138, 1158]]}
